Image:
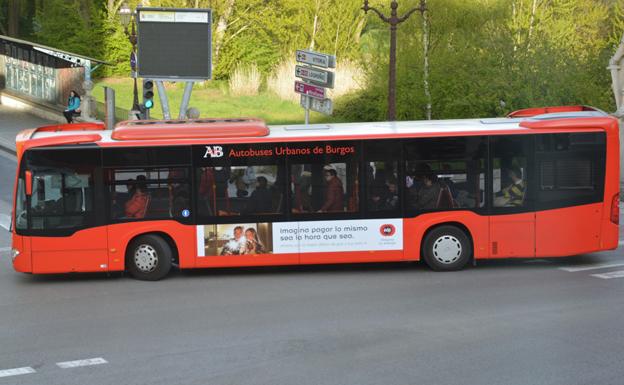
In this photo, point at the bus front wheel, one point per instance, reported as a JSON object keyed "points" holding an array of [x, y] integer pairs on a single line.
{"points": [[149, 258], [446, 248]]}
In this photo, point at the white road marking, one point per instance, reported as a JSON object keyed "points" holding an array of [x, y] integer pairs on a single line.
{"points": [[16, 371], [613, 274], [5, 221], [590, 267], [78, 363]]}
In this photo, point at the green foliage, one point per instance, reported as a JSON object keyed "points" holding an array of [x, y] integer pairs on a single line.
{"points": [[481, 52], [117, 49], [485, 52], [70, 25]]}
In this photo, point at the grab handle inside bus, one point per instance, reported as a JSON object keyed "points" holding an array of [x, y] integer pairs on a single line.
{"points": [[29, 181]]}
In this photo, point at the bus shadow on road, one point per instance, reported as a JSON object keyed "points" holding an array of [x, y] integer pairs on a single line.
{"points": [[368, 268], [538, 263]]}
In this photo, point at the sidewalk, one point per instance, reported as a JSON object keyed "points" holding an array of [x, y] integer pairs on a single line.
{"points": [[13, 121]]}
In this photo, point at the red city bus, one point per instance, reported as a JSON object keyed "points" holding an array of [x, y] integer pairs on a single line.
{"points": [[221, 193]]}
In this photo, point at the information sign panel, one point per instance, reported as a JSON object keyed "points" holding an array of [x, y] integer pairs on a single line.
{"points": [[310, 90], [174, 44]]}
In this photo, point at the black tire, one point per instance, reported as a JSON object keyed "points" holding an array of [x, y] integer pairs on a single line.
{"points": [[446, 248], [149, 258]]}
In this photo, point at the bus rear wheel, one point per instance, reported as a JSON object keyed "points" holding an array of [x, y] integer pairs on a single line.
{"points": [[446, 248], [149, 258]]}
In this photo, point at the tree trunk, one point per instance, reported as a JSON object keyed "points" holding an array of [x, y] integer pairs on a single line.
{"points": [[426, 44], [13, 19], [222, 25], [531, 22], [315, 24]]}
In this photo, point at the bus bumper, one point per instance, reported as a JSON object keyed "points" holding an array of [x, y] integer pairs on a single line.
{"points": [[20, 257]]}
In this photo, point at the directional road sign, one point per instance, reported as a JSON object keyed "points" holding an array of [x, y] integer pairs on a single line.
{"points": [[310, 90], [315, 58], [316, 76], [324, 106]]}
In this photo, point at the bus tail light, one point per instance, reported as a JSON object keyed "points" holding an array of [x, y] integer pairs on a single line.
{"points": [[615, 209]]}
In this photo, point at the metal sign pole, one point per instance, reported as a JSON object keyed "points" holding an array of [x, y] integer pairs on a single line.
{"points": [[109, 96], [164, 102], [188, 88], [307, 110]]}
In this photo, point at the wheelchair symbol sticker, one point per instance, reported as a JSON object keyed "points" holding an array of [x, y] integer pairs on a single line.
{"points": [[186, 213]]}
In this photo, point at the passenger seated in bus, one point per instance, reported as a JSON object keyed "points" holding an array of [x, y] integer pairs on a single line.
{"points": [[425, 197], [180, 201], [241, 182], [261, 199], [392, 198], [513, 194], [334, 193], [136, 206], [378, 195], [301, 183]]}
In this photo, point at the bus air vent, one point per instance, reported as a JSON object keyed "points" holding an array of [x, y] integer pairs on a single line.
{"points": [[189, 129]]}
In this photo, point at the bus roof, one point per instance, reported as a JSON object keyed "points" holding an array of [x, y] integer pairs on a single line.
{"points": [[246, 130]]}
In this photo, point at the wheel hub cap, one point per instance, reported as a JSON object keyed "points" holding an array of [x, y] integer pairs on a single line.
{"points": [[447, 249], [146, 258]]}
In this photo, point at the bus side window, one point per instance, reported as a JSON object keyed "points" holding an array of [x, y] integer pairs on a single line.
{"points": [[138, 193], [63, 188], [509, 171], [240, 190], [382, 185], [324, 187], [445, 173]]}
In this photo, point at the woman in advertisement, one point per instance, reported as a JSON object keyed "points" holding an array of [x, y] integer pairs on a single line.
{"points": [[253, 244]]}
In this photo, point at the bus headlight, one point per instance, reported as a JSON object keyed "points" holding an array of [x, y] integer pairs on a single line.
{"points": [[14, 254]]}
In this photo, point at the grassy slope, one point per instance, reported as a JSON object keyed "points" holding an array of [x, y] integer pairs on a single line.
{"points": [[213, 101]]}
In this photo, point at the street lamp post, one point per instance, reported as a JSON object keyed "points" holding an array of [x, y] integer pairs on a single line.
{"points": [[394, 20], [126, 16]]}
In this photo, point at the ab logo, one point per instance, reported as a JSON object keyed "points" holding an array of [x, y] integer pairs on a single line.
{"points": [[213, 152], [387, 230]]}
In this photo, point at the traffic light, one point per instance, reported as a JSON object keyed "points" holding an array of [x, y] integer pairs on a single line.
{"points": [[148, 93]]}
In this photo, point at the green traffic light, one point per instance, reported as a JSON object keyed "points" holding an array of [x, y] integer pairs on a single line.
{"points": [[149, 103]]}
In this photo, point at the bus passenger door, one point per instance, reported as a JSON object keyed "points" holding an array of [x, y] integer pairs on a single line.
{"points": [[64, 233], [512, 219]]}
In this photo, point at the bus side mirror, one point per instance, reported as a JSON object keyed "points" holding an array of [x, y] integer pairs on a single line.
{"points": [[29, 182]]}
